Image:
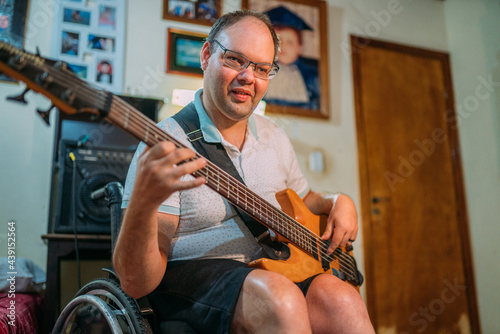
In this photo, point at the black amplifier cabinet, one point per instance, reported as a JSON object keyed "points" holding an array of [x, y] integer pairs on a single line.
{"points": [[91, 169]]}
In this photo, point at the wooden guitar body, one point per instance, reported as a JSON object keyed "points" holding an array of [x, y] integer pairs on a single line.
{"points": [[300, 265]]}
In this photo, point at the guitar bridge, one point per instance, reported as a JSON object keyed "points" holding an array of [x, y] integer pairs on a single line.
{"points": [[325, 262], [347, 267], [326, 259]]}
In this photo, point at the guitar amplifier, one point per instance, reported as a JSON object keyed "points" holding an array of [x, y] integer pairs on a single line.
{"points": [[91, 169]]}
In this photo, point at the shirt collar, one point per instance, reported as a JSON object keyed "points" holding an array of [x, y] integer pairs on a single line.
{"points": [[210, 132]]}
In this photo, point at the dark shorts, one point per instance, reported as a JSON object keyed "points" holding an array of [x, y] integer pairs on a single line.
{"points": [[203, 293]]}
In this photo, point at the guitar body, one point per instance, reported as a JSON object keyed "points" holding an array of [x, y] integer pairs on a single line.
{"points": [[300, 265]]}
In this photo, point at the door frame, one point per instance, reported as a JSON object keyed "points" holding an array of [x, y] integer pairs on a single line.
{"points": [[357, 45]]}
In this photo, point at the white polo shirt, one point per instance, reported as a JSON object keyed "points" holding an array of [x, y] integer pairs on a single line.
{"points": [[208, 226]]}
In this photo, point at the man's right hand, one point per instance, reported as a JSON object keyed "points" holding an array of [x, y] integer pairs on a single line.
{"points": [[159, 170]]}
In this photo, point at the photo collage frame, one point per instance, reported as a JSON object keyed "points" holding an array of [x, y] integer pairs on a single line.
{"points": [[89, 37]]}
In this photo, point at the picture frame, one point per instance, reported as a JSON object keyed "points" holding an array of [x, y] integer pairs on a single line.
{"points": [[301, 86], [13, 20], [90, 38], [76, 16], [204, 12], [183, 54]]}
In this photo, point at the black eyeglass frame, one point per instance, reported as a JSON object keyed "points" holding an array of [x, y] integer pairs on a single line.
{"points": [[273, 65]]}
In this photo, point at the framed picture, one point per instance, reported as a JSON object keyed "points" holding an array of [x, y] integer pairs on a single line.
{"points": [[204, 12], [104, 71], [76, 16], [90, 37], [301, 85], [107, 17], [13, 19], [96, 42], [80, 70], [183, 54], [70, 43]]}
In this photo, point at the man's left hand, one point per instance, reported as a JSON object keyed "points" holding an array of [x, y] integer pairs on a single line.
{"points": [[343, 222]]}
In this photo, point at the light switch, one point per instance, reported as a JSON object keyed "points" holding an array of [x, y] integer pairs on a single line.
{"points": [[316, 163]]}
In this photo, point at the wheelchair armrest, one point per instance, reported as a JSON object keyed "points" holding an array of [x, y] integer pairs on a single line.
{"points": [[114, 194]]}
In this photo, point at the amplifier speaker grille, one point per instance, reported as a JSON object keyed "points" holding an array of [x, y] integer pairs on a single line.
{"points": [[94, 167]]}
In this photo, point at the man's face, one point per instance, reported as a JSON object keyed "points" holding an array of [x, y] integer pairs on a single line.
{"points": [[290, 45], [4, 22], [228, 92]]}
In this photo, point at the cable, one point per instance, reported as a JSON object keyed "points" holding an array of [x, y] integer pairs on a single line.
{"points": [[73, 217]]}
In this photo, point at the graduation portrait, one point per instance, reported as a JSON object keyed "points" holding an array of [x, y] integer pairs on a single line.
{"points": [[301, 85]]}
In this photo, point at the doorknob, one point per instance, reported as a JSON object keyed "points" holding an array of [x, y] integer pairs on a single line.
{"points": [[376, 200]]}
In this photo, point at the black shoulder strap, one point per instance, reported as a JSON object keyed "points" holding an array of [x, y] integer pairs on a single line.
{"points": [[188, 120]]}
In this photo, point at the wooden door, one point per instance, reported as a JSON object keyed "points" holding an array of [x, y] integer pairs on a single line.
{"points": [[419, 275]]}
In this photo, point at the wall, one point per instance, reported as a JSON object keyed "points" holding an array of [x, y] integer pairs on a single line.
{"points": [[25, 166], [474, 44], [25, 174]]}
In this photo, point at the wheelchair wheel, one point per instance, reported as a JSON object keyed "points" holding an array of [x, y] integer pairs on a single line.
{"points": [[111, 292], [102, 304]]}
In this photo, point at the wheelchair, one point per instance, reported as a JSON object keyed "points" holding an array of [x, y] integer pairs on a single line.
{"points": [[101, 306]]}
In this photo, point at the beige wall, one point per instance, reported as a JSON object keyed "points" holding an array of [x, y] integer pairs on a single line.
{"points": [[25, 173], [25, 166], [474, 43]]}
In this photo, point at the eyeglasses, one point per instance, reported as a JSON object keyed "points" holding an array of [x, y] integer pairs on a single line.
{"points": [[239, 62]]}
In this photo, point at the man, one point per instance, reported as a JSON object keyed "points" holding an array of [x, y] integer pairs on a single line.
{"points": [[206, 281]]}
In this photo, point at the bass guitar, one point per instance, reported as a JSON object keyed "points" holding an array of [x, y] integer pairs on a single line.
{"points": [[294, 224]]}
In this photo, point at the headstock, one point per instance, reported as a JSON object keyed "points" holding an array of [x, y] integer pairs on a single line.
{"points": [[55, 80]]}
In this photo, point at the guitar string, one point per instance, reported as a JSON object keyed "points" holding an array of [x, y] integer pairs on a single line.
{"points": [[71, 78], [238, 186]]}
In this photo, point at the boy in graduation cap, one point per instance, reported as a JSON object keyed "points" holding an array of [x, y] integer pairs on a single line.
{"points": [[297, 83]]}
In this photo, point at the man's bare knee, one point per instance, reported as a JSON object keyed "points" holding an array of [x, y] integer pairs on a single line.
{"points": [[270, 302], [336, 306], [330, 291]]}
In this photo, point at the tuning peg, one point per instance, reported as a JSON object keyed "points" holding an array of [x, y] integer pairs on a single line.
{"points": [[69, 96], [17, 62], [45, 115], [19, 98], [60, 65], [44, 79]]}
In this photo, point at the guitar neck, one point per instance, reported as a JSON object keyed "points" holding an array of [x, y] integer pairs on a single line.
{"points": [[129, 119]]}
